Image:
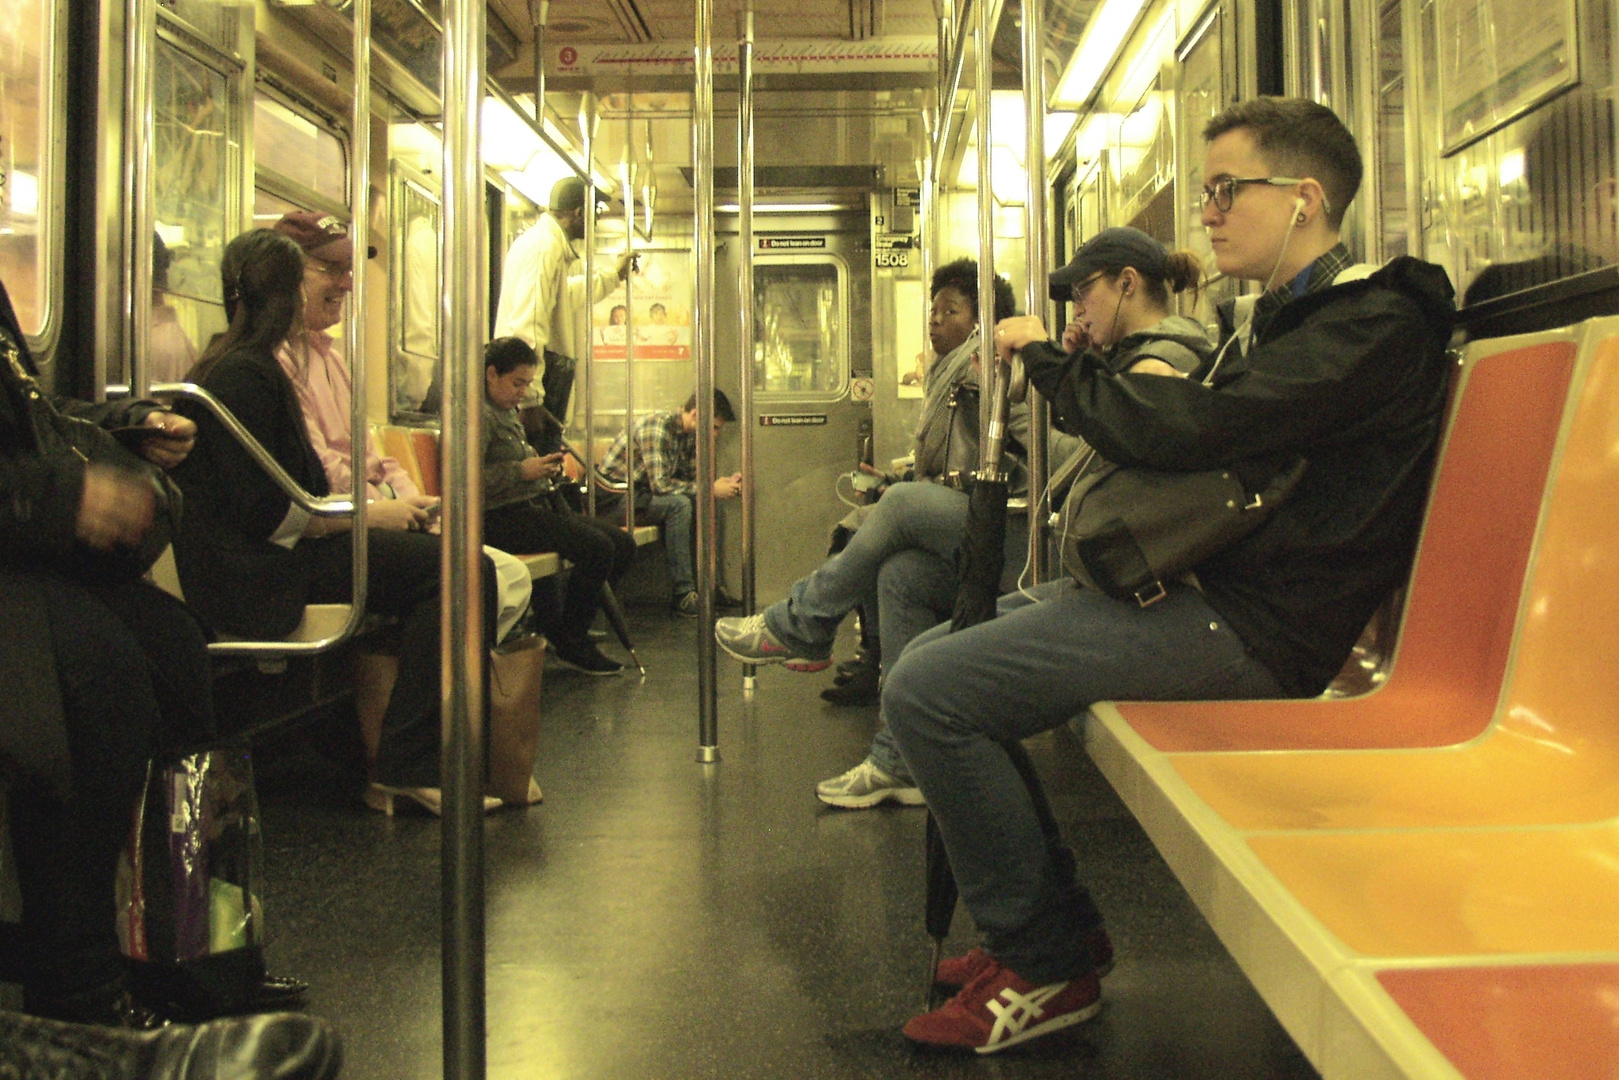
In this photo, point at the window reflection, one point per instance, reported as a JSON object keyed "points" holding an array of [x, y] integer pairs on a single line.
{"points": [[294, 147], [191, 205], [800, 346], [418, 286], [216, 20], [27, 190]]}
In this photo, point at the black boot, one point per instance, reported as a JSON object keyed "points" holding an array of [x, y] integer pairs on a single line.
{"points": [[857, 687], [288, 1046]]}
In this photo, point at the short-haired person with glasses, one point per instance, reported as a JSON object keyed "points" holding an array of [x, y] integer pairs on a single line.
{"points": [[1341, 366]]}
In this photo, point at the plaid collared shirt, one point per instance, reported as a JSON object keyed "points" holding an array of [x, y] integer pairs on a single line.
{"points": [[1322, 273], [665, 455]]}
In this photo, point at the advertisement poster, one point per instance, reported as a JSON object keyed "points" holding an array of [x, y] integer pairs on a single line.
{"points": [[660, 297]]}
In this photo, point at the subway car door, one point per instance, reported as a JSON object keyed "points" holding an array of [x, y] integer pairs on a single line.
{"points": [[811, 365]]}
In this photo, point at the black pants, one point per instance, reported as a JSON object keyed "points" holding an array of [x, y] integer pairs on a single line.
{"points": [[403, 582], [600, 552], [133, 668]]}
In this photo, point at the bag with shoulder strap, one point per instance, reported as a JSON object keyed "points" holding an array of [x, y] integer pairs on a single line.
{"points": [[1127, 530]]}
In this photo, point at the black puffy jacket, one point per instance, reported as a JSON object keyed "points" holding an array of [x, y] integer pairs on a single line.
{"points": [[1353, 378]]}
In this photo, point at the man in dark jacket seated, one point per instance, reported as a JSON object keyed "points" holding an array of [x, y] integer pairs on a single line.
{"points": [[1341, 367]]}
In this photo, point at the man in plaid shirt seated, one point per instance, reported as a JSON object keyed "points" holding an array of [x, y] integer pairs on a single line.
{"points": [[665, 484]]}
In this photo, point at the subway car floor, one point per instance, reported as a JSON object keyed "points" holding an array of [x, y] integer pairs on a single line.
{"points": [[658, 919]]}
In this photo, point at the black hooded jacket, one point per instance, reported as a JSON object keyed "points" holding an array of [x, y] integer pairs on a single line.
{"points": [[1352, 378]]}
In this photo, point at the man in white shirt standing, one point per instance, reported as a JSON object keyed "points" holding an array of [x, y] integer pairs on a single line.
{"points": [[542, 299]]}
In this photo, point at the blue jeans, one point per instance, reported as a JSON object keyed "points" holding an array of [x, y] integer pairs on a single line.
{"points": [[920, 517], [952, 699], [676, 511]]}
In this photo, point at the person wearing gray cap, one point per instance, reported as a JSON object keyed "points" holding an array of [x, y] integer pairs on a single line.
{"points": [[543, 300], [1120, 283]]}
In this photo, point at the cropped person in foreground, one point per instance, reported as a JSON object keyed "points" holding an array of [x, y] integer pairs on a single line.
{"points": [[1340, 366]]}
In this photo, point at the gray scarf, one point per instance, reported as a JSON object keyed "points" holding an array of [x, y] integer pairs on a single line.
{"points": [[953, 369]]}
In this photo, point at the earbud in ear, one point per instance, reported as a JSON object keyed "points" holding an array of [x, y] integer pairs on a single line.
{"points": [[1298, 209]]}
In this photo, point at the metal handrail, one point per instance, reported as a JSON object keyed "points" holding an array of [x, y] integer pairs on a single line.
{"points": [[990, 423], [328, 506], [1036, 229], [319, 506], [596, 475]]}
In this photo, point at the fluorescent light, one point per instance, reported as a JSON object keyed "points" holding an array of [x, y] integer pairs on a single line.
{"points": [[788, 208], [509, 142], [24, 194], [174, 236], [1104, 36]]}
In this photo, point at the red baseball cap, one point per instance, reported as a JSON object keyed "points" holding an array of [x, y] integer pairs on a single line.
{"points": [[322, 235]]}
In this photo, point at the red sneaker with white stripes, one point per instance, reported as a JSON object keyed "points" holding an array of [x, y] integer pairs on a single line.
{"points": [[957, 971], [1000, 1008]]}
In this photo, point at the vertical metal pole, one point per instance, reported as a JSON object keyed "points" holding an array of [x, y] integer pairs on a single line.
{"points": [[928, 240], [942, 106], [702, 133], [744, 143], [627, 177], [462, 647], [1037, 242], [540, 13], [983, 62], [140, 25], [587, 128], [354, 333]]}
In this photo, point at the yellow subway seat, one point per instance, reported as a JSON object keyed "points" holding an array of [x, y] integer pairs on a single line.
{"points": [[1455, 893]]}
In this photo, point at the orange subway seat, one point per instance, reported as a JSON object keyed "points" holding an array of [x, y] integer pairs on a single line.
{"points": [[396, 443], [424, 447], [1517, 1022]]}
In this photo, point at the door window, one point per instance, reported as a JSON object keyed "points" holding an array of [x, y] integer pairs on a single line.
{"points": [[801, 341]]}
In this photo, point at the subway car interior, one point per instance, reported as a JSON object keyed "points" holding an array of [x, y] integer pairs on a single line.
{"points": [[1412, 874]]}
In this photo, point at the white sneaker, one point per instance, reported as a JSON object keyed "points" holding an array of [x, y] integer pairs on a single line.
{"points": [[867, 785]]}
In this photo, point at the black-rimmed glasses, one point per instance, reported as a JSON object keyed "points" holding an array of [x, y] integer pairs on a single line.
{"points": [[1223, 192], [1080, 289]]}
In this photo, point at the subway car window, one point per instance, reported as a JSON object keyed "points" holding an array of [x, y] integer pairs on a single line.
{"points": [[416, 282], [268, 207], [1203, 95], [194, 211], [215, 21], [800, 346], [28, 189], [1391, 196], [291, 146]]}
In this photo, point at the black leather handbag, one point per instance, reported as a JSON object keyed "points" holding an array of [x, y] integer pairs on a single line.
{"points": [[1127, 531]]}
